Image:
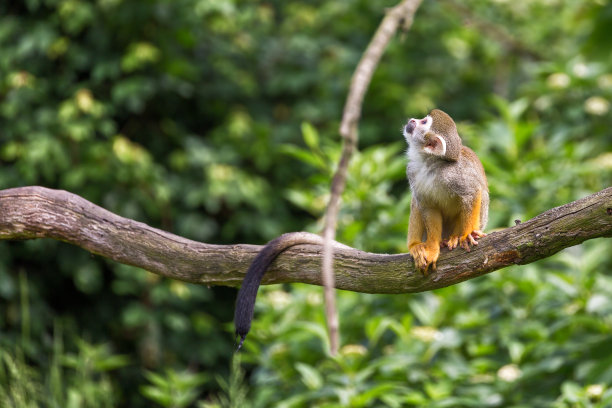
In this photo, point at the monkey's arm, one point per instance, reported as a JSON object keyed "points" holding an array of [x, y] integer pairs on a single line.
{"points": [[426, 253], [245, 302], [416, 228]]}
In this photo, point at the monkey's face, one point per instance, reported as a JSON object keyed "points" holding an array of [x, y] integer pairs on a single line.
{"points": [[416, 129], [419, 136]]}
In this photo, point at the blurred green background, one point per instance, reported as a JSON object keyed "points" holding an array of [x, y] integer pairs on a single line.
{"points": [[217, 120]]}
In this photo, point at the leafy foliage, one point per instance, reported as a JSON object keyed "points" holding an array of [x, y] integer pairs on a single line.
{"points": [[217, 120]]}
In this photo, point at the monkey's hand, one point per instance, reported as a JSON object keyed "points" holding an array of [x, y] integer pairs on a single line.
{"points": [[425, 255]]}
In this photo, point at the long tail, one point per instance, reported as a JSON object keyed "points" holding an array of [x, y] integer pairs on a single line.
{"points": [[245, 302]]}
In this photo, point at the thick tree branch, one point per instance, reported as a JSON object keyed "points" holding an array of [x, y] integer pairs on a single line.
{"points": [[38, 212]]}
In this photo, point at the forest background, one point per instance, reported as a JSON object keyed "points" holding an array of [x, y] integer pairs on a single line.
{"points": [[217, 120]]}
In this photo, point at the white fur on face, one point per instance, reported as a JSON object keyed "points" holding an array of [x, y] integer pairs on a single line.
{"points": [[420, 129]]}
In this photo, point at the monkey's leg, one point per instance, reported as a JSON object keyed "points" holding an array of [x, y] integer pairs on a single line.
{"points": [[453, 239], [426, 253], [471, 226], [454, 224]]}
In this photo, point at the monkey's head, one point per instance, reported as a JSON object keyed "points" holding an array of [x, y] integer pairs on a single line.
{"points": [[435, 134]]}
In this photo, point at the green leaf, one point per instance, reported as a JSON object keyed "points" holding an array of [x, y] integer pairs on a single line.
{"points": [[311, 136], [572, 392], [310, 376]]}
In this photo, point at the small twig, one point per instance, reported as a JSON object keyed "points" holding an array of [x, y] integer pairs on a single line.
{"points": [[400, 15]]}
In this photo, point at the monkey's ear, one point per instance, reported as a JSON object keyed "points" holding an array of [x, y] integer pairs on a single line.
{"points": [[453, 148], [435, 144]]}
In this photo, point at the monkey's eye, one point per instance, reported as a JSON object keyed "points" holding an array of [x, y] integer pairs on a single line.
{"points": [[424, 121]]}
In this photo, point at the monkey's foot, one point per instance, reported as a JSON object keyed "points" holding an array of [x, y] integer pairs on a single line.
{"points": [[471, 239], [478, 234], [452, 242], [424, 256]]}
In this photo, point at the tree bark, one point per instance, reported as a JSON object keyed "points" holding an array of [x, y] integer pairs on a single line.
{"points": [[38, 212]]}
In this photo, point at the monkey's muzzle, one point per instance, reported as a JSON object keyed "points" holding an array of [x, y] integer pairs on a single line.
{"points": [[410, 126]]}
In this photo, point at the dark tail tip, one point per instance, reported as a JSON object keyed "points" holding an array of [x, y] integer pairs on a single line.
{"points": [[237, 343]]}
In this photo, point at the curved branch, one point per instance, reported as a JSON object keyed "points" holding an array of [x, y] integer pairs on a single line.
{"points": [[38, 212]]}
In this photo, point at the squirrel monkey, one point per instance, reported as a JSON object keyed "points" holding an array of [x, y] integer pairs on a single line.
{"points": [[450, 196]]}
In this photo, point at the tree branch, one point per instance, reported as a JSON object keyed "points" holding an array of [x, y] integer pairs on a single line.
{"points": [[38, 212]]}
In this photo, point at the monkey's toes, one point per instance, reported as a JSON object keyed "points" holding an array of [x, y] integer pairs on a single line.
{"points": [[478, 234], [452, 242], [466, 241]]}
